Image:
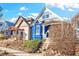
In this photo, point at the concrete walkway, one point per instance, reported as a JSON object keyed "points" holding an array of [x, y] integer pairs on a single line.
{"points": [[18, 53]]}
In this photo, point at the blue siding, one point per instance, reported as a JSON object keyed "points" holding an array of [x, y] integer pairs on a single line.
{"points": [[39, 36], [46, 29]]}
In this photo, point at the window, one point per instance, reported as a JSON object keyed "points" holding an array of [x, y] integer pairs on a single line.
{"points": [[37, 29], [45, 16]]}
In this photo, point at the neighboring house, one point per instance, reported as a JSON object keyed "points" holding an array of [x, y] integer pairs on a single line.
{"points": [[22, 29], [6, 31], [3, 26], [75, 24]]}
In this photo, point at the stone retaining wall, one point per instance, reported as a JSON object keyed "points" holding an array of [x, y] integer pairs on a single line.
{"points": [[61, 39]]}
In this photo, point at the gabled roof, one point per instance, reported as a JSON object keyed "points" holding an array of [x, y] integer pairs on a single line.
{"points": [[41, 13], [54, 15], [20, 18], [24, 19]]}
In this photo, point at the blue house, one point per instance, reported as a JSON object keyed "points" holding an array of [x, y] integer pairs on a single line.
{"points": [[42, 23], [37, 30]]}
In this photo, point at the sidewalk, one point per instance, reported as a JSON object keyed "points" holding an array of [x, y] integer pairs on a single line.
{"points": [[18, 53]]}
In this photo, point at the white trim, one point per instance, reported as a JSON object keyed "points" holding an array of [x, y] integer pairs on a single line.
{"points": [[54, 14], [43, 29]]}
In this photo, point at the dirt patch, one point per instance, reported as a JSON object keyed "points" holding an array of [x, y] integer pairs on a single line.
{"points": [[4, 53], [15, 44]]}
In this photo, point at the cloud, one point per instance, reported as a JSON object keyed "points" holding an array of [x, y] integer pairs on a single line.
{"points": [[60, 4], [73, 5], [70, 9], [13, 20], [61, 7], [23, 8], [50, 5], [33, 15], [29, 16], [19, 13]]}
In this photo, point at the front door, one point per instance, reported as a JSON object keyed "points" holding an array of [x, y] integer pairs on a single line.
{"points": [[20, 34]]}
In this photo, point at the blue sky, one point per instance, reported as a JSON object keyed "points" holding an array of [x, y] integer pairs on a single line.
{"points": [[13, 10]]}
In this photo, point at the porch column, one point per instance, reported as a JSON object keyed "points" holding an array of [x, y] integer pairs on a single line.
{"points": [[43, 31]]}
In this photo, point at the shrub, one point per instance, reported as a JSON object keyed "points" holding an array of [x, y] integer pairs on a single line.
{"points": [[31, 43]]}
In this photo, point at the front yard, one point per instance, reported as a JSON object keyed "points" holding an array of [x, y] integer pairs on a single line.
{"points": [[30, 46], [27, 45]]}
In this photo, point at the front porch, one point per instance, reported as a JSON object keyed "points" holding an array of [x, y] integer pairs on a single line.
{"points": [[15, 33]]}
